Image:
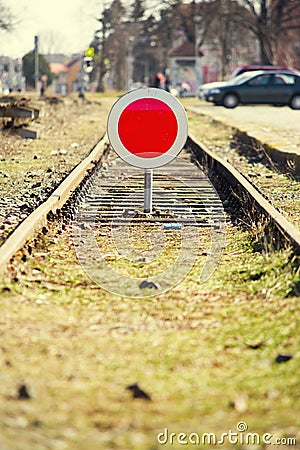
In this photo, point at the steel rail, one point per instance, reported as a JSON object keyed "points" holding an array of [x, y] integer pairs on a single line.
{"points": [[226, 179], [38, 218], [242, 191]]}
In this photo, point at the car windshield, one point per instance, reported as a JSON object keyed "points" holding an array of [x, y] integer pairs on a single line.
{"points": [[241, 78]]}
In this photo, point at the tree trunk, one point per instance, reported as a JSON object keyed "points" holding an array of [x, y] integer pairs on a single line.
{"points": [[100, 85], [265, 56], [264, 38], [102, 72]]}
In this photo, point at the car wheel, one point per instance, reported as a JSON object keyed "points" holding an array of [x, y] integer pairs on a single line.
{"points": [[295, 102], [230, 101]]}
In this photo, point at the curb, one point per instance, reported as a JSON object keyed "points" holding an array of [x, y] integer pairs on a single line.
{"points": [[289, 159], [236, 178]]}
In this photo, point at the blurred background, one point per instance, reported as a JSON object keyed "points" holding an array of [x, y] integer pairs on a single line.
{"points": [[120, 45]]}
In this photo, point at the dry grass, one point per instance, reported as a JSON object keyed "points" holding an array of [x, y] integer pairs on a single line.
{"points": [[77, 347], [205, 353], [282, 191], [35, 167]]}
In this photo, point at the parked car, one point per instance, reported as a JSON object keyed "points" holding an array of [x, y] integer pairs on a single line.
{"points": [[258, 87], [204, 89], [250, 68]]}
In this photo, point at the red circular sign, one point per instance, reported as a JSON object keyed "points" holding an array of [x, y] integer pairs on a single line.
{"points": [[147, 127]]}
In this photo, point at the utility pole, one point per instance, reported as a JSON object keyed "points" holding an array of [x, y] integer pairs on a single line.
{"points": [[129, 63], [198, 68], [36, 63]]}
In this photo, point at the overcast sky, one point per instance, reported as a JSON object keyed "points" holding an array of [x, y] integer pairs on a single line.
{"points": [[64, 26]]}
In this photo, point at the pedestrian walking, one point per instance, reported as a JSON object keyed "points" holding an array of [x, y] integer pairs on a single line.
{"points": [[155, 82], [167, 83]]}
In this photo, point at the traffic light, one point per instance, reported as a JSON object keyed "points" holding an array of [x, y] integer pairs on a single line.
{"points": [[90, 52], [88, 64]]}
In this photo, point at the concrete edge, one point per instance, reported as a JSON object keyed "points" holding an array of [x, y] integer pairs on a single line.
{"points": [[288, 159], [284, 225], [278, 155], [38, 218]]}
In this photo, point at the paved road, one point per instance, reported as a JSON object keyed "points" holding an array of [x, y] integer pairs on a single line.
{"points": [[276, 126]]}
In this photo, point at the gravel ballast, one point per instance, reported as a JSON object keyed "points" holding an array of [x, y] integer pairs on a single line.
{"points": [[31, 169]]}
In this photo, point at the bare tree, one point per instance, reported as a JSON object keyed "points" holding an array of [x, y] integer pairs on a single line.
{"points": [[227, 34], [137, 10], [50, 41], [117, 43], [270, 20], [6, 17], [185, 14], [110, 42], [101, 56]]}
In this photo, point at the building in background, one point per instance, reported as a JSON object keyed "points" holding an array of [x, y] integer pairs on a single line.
{"points": [[68, 71], [182, 67], [74, 73], [11, 77], [59, 85]]}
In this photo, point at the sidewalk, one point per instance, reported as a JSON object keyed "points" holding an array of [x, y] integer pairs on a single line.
{"points": [[278, 129]]}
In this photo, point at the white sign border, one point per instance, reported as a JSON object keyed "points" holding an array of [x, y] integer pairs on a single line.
{"points": [[113, 122]]}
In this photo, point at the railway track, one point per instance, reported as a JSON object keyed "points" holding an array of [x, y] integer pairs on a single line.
{"points": [[186, 207], [105, 194]]}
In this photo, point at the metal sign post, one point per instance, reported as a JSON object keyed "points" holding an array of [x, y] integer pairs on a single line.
{"points": [[143, 120], [148, 183]]}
